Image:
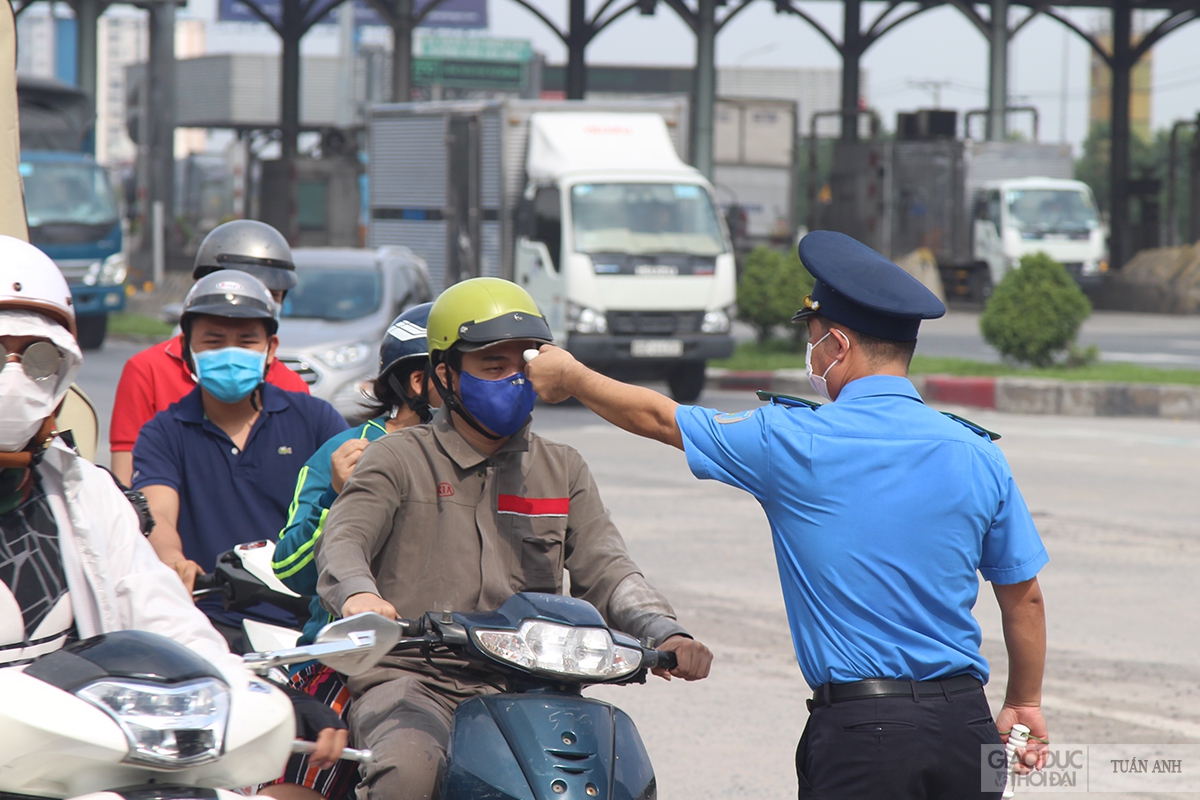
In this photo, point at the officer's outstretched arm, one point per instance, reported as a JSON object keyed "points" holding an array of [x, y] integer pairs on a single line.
{"points": [[556, 375]]}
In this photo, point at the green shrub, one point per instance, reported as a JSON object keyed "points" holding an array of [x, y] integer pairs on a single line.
{"points": [[772, 289], [1035, 312]]}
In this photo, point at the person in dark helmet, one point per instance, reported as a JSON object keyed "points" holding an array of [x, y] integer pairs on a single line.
{"points": [[218, 467], [158, 376], [402, 398], [252, 247], [445, 514]]}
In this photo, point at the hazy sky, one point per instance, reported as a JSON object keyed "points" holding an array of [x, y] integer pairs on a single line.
{"points": [[938, 45]]}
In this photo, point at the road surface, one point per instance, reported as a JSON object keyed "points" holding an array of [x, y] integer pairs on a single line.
{"points": [[1117, 502]]}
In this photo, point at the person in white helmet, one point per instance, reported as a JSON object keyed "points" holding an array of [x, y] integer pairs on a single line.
{"points": [[73, 560]]}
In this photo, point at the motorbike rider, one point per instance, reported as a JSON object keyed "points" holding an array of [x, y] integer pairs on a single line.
{"points": [[461, 514], [159, 375], [219, 466], [402, 399], [73, 560]]}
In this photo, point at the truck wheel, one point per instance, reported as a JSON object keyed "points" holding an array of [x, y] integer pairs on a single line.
{"points": [[980, 285], [91, 330], [686, 381]]}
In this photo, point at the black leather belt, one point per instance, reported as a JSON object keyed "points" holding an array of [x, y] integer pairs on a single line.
{"points": [[879, 687]]}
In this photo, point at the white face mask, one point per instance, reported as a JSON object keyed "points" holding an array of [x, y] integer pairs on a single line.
{"points": [[818, 383], [24, 405]]}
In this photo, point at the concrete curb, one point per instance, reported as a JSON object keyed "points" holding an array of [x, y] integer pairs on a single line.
{"points": [[1013, 395]]}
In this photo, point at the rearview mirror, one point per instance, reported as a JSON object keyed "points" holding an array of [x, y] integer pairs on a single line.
{"points": [[372, 635]]}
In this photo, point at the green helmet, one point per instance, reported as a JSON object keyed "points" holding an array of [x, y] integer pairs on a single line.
{"points": [[481, 311]]}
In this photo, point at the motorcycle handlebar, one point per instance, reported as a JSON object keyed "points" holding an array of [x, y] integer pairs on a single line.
{"points": [[205, 583], [660, 659]]}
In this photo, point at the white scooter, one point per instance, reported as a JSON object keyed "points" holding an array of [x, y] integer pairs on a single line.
{"points": [[134, 715]]}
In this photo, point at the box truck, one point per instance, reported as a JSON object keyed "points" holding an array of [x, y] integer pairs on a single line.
{"points": [[977, 206], [980, 206], [586, 204], [70, 206]]}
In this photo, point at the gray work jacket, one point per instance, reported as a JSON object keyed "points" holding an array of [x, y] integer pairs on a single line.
{"points": [[429, 523]]}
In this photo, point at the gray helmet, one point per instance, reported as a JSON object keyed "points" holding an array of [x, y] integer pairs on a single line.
{"points": [[250, 246], [230, 293]]}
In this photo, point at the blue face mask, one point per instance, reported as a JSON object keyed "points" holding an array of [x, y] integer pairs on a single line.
{"points": [[500, 406], [231, 373]]}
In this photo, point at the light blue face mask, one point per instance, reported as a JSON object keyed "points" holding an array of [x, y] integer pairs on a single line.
{"points": [[231, 373], [501, 406]]}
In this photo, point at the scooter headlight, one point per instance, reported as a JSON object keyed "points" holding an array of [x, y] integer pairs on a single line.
{"points": [[540, 646], [167, 726]]}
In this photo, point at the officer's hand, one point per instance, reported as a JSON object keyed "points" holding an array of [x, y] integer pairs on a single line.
{"points": [[366, 601], [549, 372], [342, 462], [694, 659], [187, 570], [330, 744], [1033, 756]]}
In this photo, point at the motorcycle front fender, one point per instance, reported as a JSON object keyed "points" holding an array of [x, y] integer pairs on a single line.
{"points": [[539, 746]]}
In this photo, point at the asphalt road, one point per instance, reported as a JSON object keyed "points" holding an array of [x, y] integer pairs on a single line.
{"points": [[1116, 501]]}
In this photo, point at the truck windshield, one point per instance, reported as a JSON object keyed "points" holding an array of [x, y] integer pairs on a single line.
{"points": [[1042, 211], [642, 218], [71, 192], [335, 295]]}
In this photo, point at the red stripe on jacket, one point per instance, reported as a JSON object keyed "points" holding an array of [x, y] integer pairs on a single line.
{"points": [[534, 506]]}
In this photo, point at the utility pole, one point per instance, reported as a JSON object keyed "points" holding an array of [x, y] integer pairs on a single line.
{"points": [[706, 88], [157, 127], [851, 55], [997, 118]]}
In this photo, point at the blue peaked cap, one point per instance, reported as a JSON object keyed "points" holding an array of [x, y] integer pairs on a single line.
{"points": [[863, 290]]}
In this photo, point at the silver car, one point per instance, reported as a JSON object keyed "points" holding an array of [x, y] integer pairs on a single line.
{"points": [[333, 321]]}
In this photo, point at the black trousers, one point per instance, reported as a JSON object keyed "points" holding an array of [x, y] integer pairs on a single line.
{"points": [[897, 747]]}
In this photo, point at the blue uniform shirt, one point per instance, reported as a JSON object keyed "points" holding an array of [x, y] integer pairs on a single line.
{"points": [[881, 511], [228, 496], [293, 562]]}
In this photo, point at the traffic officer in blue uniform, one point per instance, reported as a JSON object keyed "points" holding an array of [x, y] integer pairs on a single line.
{"points": [[883, 511]]}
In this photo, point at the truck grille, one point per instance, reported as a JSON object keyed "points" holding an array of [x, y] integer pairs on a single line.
{"points": [[75, 269], [654, 323], [301, 368]]}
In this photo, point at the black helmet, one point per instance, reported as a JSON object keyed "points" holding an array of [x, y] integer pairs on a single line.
{"points": [[230, 293], [250, 246], [404, 350], [405, 341]]}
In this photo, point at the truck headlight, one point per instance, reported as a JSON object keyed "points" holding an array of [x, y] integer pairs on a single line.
{"points": [[715, 321], [113, 270], [1090, 268], [109, 272], [560, 649], [167, 726], [582, 319], [346, 356]]}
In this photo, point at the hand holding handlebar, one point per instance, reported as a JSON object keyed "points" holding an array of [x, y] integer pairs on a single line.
{"points": [[692, 659]]}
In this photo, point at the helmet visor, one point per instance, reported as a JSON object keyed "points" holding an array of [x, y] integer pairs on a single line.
{"points": [[516, 325]]}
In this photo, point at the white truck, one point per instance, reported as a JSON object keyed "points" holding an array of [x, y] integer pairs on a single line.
{"points": [[1016, 217], [980, 206], [588, 205]]}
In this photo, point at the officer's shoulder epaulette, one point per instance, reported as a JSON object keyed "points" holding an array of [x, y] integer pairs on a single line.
{"points": [[785, 400], [975, 428]]}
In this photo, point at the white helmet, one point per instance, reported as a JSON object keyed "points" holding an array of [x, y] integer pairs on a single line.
{"points": [[30, 280]]}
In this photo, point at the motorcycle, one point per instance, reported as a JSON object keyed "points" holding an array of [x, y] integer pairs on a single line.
{"points": [[134, 715], [540, 739]]}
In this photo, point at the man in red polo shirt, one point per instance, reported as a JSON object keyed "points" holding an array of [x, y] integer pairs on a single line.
{"points": [[157, 377]]}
